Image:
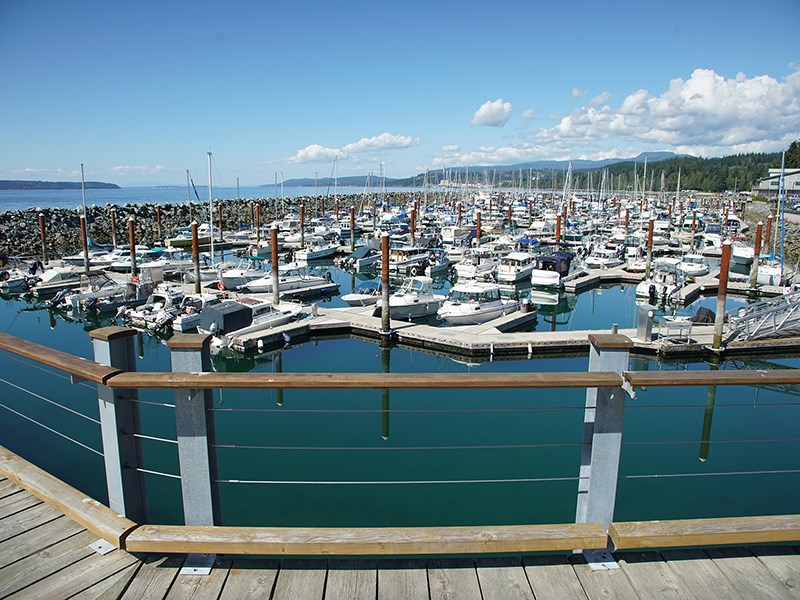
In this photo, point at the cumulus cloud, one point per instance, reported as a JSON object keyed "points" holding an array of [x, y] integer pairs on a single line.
{"points": [[529, 114], [577, 93], [600, 99], [492, 113], [384, 141], [705, 114]]}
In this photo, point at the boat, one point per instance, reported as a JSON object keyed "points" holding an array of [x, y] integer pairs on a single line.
{"points": [[473, 303], [143, 255], [515, 266], [244, 315], [362, 258], [693, 265], [439, 264], [742, 252], [158, 312], [662, 287], [415, 299], [55, 279], [316, 248], [188, 316], [554, 269], [183, 238], [407, 260], [291, 277], [92, 286], [19, 279], [249, 269], [477, 263], [603, 258], [365, 294]]}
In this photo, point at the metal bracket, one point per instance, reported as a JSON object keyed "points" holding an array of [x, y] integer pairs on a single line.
{"points": [[76, 379], [600, 560], [102, 547], [198, 564]]}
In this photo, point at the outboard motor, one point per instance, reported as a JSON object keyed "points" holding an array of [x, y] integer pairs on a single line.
{"points": [[651, 293]]}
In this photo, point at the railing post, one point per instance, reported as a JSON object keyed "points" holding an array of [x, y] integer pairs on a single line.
{"points": [[602, 432], [119, 421], [191, 353]]}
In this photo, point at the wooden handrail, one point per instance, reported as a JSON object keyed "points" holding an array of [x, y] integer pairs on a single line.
{"points": [[88, 512], [705, 532], [716, 378], [74, 365], [143, 380], [360, 541]]}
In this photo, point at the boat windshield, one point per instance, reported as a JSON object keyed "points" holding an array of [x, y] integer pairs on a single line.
{"points": [[414, 286]]}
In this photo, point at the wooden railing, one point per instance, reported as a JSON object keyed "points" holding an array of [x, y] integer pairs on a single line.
{"points": [[607, 382]]}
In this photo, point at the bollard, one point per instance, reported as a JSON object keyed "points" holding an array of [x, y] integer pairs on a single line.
{"points": [[119, 422]]}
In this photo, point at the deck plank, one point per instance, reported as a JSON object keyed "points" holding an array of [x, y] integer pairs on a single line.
{"points": [[14, 503], [783, 562], [8, 487], [453, 578], [402, 578], [250, 579], [503, 579], [700, 574], [77, 576], [749, 575], [29, 570], [552, 577], [352, 580], [301, 580], [26, 520], [37, 539], [603, 584], [652, 578], [111, 587], [199, 587], [154, 578]]}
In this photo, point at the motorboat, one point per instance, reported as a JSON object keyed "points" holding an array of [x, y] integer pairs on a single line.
{"points": [[603, 258], [19, 279], [407, 260], [244, 315], [183, 237], [365, 294], [291, 276], [662, 287], [188, 316], [249, 269], [362, 258], [439, 264], [472, 303], [554, 269], [92, 286], [477, 263], [693, 265], [55, 279], [316, 248], [516, 266], [415, 299], [158, 312]]}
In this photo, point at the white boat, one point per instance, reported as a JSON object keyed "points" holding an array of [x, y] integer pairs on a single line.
{"points": [[415, 299], [475, 302], [515, 266], [693, 265], [54, 279], [143, 255], [407, 260], [20, 279], [366, 294], [244, 315], [316, 248], [362, 258], [477, 263], [554, 269], [188, 317], [663, 286], [157, 313], [92, 286], [603, 258], [742, 252], [291, 276], [183, 239], [248, 270]]}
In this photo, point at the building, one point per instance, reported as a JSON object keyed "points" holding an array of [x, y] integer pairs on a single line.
{"points": [[770, 185]]}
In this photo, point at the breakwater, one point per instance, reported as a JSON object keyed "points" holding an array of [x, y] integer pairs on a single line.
{"points": [[19, 229]]}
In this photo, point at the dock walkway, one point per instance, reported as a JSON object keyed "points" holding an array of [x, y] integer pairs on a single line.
{"points": [[43, 554]]}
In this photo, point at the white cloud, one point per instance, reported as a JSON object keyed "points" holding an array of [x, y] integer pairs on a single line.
{"points": [[704, 115], [529, 114], [139, 169], [577, 93], [384, 141], [600, 99], [451, 148], [492, 113]]}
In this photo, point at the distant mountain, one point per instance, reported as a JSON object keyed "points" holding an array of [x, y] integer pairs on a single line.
{"points": [[438, 175], [10, 184]]}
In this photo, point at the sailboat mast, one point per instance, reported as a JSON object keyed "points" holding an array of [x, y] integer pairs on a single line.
{"points": [[210, 209]]}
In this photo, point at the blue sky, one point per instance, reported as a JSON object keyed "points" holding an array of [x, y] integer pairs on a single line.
{"points": [[141, 91]]}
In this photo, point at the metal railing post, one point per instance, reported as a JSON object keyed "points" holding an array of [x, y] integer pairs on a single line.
{"points": [[119, 421], [602, 433], [195, 429]]}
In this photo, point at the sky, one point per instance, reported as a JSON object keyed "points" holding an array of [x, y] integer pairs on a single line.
{"points": [[139, 92]]}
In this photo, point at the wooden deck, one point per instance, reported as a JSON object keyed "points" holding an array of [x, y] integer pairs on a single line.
{"points": [[43, 554]]}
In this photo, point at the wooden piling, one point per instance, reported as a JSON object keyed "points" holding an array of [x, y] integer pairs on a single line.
{"points": [[722, 294], [132, 244], [84, 243], [385, 316], [43, 237], [273, 243], [352, 228], [196, 258], [756, 249]]}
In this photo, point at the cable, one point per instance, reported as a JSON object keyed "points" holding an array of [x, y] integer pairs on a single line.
{"points": [[673, 475], [423, 482], [159, 473], [35, 395], [383, 448], [66, 437], [142, 436]]}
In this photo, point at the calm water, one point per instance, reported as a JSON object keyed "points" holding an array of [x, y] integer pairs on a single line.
{"points": [[22, 199], [331, 436]]}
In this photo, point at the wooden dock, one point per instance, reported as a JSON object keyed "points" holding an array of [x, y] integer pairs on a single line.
{"points": [[43, 554]]}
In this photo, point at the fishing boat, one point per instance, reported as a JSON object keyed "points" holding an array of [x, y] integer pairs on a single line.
{"points": [[477, 263], [554, 269], [244, 315], [415, 299], [407, 260], [291, 277], [662, 287], [158, 312], [55, 279], [473, 303], [188, 316], [249, 269], [365, 294]]}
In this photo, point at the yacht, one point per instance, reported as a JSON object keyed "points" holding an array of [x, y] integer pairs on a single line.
{"points": [[473, 303], [554, 269], [415, 298]]}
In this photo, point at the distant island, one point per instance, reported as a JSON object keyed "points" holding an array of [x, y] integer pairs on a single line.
{"points": [[10, 184]]}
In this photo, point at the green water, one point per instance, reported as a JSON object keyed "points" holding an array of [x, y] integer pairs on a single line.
{"points": [[371, 436]]}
